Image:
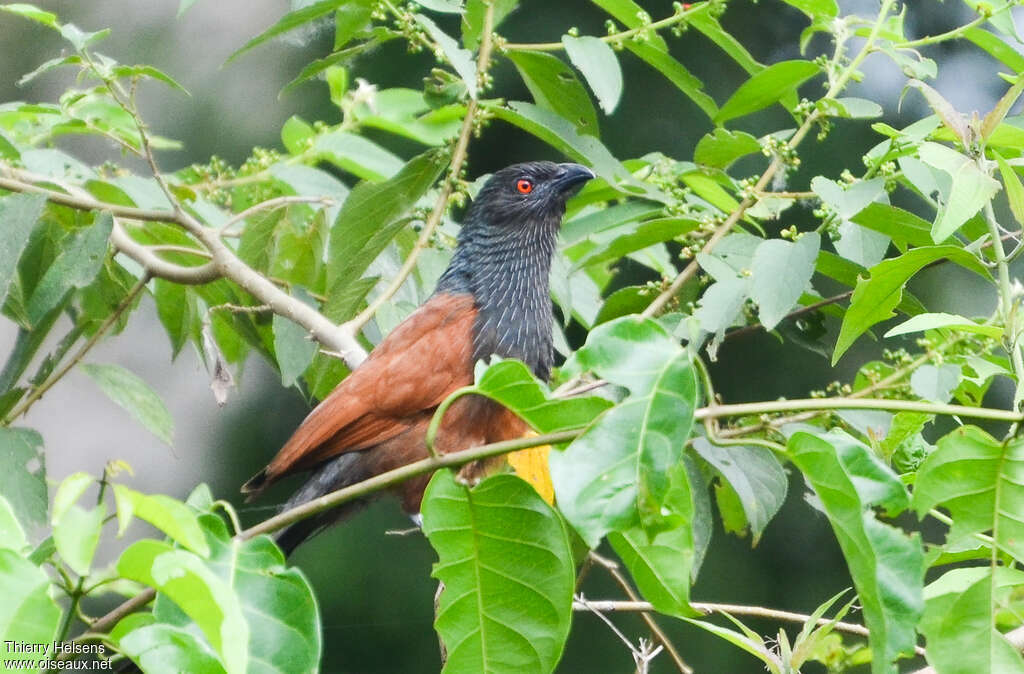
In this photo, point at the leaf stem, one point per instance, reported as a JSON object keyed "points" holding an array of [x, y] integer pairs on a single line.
{"points": [[68, 617]]}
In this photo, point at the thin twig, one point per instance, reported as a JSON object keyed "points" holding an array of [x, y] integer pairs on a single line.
{"points": [[271, 204], [642, 656], [850, 403], [613, 38], [659, 634]]}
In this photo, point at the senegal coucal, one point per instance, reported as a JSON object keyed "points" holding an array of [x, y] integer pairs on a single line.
{"points": [[492, 300]]}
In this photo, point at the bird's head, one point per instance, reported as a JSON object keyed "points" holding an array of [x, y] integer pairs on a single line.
{"points": [[534, 192]]}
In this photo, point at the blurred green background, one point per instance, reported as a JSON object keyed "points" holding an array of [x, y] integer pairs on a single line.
{"points": [[375, 592]]}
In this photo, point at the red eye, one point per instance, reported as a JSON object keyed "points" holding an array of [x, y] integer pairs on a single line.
{"points": [[524, 186]]}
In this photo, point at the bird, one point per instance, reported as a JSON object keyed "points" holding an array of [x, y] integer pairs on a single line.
{"points": [[492, 300]]}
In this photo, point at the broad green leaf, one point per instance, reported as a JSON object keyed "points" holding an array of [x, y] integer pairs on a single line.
{"points": [[638, 237], [600, 67], [349, 19], [23, 475], [766, 87], [827, 9], [676, 73], [75, 266], [618, 217], [167, 649], [662, 564], [1011, 182], [721, 147], [277, 602], [960, 625], [935, 382], [781, 271], [293, 348], [12, 534], [923, 322], [997, 48], [721, 304], [707, 24], [76, 535], [135, 396], [169, 515], [903, 227], [290, 21], [971, 188], [18, 213], [979, 481], [206, 598], [444, 6], [555, 87], [506, 565], [33, 13], [27, 613], [875, 298], [460, 59], [754, 474], [357, 155], [406, 112], [511, 383], [370, 218], [886, 565], [176, 308], [614, 476], [297, 135]]}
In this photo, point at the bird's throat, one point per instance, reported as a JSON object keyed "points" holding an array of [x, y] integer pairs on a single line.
{"points": [[507, 273]]}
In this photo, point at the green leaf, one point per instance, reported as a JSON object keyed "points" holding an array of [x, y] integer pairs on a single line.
{"points": [[676, 73], [875, 298], [979, 481], [277, 602], [19, 214], [952, 119], [349, 19], [780, 272], [935, 382], [971, 188], [33, 13], [473, 18], [766, 87], [357, 155], [722, 147], [827, 9], [997, 48], [296, 135], [206, 598], [12, 535], [460, 59], [754, 474], [923, 322], [596, 60], [293, 348], [176, 308], [406, 112], [506, 565], [555, 87], [960, 621], [707, 24], [996, 116], [1011, 182], [77, 264], [27, 613], [168, 649], [169, 515], [135, 396], [511, 383], [886, 565], [290, 21], [637, 237], [662, 564], [370, 218], [77, 533], [614, 476], [23, 474], [903, 227]]}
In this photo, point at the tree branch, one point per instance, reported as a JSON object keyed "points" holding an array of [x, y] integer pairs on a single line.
{"points": [[770, 407]]}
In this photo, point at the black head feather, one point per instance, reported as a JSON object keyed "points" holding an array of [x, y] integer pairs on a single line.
{"points": [[503, 259]]}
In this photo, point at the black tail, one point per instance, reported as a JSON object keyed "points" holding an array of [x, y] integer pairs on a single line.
{"points": [[337, 473]]}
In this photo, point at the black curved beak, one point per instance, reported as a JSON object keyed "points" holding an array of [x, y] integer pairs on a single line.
{"points": [[571, 177]]}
